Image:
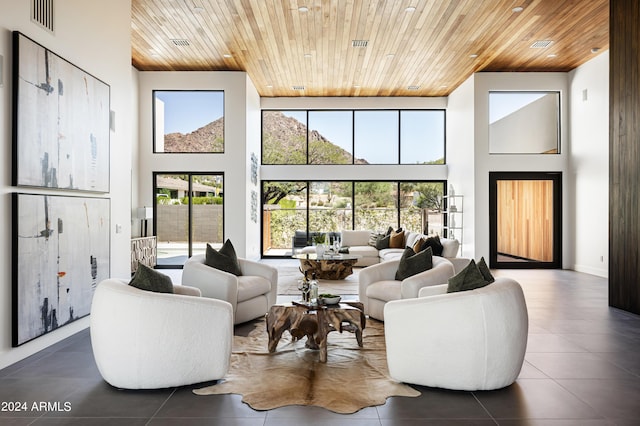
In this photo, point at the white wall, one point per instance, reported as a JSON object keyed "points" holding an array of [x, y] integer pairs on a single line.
{"points": [[485, 163], [94, 36], [241, 138], [460, 157], [589, 162], [253, 146]]}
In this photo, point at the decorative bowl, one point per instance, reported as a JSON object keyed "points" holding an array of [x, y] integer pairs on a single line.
{"points": [[329, 299]]}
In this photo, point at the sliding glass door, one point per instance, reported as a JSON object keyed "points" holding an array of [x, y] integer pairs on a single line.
{"points": [[333, 206], [189, 212]]}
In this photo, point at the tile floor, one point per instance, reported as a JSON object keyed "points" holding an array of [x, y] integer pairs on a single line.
{"points": [[582, 368]]}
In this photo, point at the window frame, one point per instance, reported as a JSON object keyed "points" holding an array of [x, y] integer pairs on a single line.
{"points": [[558, 116], [353, 135], [190, 217], [398, 205], [153, 121]]}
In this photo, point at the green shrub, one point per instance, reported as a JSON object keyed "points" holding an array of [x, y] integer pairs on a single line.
{"points": [[202, 200], [287, 204]]}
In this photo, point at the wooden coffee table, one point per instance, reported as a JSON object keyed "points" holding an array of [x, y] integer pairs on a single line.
{"points": [[333, 267], [314, 322]]}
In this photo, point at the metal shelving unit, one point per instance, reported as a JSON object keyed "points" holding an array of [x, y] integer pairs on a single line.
{"points": [[453, 218]]}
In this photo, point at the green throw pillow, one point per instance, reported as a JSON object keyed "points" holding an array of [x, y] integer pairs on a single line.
{"points": [[435, 244], [484, 270], [382, 242], [149, 279], [468, 279], [224, 259], [412, 263]]}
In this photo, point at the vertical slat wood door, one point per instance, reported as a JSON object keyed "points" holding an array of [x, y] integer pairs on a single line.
{"points": [[525, 219]]}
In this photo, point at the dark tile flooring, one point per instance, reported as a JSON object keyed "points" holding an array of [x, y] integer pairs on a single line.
{"points": [[582, 368]]}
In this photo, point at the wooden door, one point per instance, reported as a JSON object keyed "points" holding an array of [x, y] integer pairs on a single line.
{"points": [[525, 220]]}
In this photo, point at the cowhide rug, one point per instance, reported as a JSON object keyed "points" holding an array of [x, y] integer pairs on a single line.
{"points": [[351, 379]]}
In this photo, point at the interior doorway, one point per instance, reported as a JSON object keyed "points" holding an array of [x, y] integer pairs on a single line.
{"points": [[525, 216]]}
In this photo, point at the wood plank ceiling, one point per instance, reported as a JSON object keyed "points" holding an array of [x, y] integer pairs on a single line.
{"points": [[413, 47]]}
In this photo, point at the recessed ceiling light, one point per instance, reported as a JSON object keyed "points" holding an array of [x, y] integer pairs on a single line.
{"points": [[410, 9], [303, 9], [473, 55], [517, 9], [269, 86], [444, 86], [551, 55], [198, 9], [307, 55], [227, 55]]}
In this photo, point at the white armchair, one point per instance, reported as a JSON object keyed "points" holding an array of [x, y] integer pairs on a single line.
{"points": [[377, 284], [468, 340], [251, 294], [147, 340]]}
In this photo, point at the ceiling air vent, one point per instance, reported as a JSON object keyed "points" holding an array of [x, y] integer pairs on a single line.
{"points": [[180, 42], [541, 44], [297, 87], [359, 43], [413, 87], [42, 13]]}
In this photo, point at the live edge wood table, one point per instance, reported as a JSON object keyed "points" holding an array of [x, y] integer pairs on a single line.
{"points": [[329, 267], [314, 322]]}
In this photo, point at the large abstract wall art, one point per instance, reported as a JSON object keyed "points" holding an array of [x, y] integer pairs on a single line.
{"points": [[61, 252], [60, 122]]}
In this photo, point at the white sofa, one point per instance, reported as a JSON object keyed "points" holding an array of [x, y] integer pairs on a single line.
{"points": [[377, 284], [358, 243], [469, 340], [147, 340], [250, 294]]}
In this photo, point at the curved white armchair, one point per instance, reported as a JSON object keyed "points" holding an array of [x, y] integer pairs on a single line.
{"points": [[147, 340], [377, 284], [468, 340], [251, 294]]}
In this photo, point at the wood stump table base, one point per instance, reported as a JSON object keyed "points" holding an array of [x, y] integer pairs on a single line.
{"points": [[314, 322], [337, 267]]}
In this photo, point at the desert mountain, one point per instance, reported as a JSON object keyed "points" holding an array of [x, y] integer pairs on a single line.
{"points": [[284, 142], [208, 138]]}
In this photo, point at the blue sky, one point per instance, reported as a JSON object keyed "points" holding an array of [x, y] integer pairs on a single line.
{"points": [[186, 111], [376, 133], [502, 104]]}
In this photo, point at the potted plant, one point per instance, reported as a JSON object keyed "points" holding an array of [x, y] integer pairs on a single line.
{"points": [[319, 242]]}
